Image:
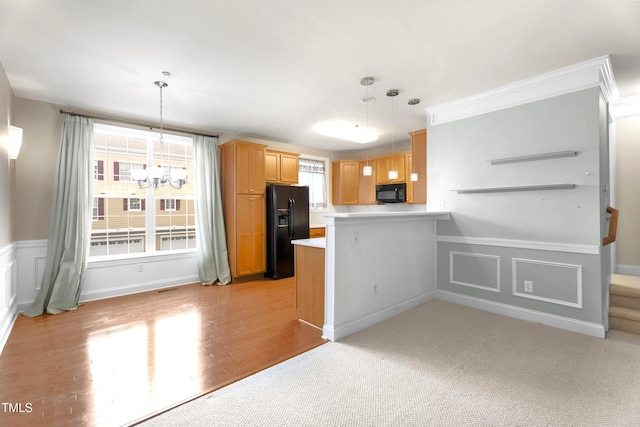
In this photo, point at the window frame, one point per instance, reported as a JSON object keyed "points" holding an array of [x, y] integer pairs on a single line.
{"points": [[151, 213], [327, 170]]}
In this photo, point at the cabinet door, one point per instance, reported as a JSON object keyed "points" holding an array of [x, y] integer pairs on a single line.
{"points": [[288, 168], [408, 170], [250, 235], [387, 163], [243, 168], [271, 167], [259, 224], [367, 187], [419, 150], [345, 182], [256, 171]]}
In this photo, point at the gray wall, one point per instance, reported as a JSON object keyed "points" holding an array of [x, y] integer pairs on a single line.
{"points": [[6, 96], [567, 281]]}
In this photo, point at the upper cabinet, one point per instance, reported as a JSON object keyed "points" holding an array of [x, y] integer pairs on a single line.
{"points": [[281, 167], [418, 189], [243, 164], [345, 179], [387, 163]]}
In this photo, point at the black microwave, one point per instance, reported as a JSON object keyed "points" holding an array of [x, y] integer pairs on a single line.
{"points": [[391, 193]]}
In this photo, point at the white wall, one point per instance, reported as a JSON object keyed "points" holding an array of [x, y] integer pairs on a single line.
{"points": [[8, 276], [627, 195]]}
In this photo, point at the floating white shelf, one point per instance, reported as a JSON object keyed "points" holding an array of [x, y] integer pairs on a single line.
{"points": [[516, 188], [533, 157]]}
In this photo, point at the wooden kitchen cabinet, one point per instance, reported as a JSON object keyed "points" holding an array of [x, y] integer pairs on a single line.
{"points": [[418, 188], [367, 186], [243, 167], [243, 187], [345, 176], [281, 167], [384, 165], [310, 284]]}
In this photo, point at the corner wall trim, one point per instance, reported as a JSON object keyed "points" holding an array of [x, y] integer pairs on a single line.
{"points": [[593, 73], [566, 323]]}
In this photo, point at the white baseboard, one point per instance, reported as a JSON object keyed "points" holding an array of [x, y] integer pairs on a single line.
{"points": [[119, 291], [579, 326], [631, 270], [6, 324], [138, 287], [348, 328]]}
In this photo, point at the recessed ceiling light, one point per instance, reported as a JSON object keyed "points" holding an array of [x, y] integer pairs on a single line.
{"points": [[346, 131]]}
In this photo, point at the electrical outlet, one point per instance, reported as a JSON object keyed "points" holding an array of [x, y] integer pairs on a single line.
{"points": [[356, 239], [140, 267], [528, 286], [374, 290]]}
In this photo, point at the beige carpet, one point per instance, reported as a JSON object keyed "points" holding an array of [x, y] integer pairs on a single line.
{"points": [[440, 364]]}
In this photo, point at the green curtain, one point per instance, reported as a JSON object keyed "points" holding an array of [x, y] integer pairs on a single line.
{"points": [[70, 220], [211, 240]]}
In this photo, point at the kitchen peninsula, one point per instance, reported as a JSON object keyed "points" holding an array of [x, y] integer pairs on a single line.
{"points": [[377, 265]]}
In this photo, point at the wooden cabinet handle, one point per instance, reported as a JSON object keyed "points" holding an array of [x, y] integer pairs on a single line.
{"points": [[613, 226]]}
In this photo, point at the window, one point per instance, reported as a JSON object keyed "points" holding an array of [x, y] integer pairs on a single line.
{"points": [[98, 209], [168, 204], [122, 170], [312, 172], [133, 204], [130, 220]]}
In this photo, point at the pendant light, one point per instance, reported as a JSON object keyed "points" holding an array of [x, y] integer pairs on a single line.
{"points": [[393, 173], [367, 170], [414, 175]]}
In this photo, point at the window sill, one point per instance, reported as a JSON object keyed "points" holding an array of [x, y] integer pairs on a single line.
{"points": [[128, 259]]}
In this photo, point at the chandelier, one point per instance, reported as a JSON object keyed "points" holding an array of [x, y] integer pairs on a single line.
{"points": [[157, 176]]}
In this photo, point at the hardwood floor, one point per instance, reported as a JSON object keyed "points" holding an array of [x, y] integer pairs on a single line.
{"points": [[116, 361]]}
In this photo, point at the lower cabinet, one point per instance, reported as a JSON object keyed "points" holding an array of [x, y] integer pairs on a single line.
{"points": [[250, 236]]}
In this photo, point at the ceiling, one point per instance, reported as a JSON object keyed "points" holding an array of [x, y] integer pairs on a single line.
{"points": [[274, 69]]}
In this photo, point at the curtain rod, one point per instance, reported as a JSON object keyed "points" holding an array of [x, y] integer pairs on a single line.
{"points": [[129, 122]]}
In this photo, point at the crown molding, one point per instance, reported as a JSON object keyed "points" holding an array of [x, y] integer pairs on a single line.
{"points": [[593, 73]]}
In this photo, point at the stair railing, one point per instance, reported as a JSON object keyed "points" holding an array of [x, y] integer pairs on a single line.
{"points": [[613, 226]]}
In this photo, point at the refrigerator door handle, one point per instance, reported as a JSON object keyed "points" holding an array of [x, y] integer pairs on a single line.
{"points": [[292, 218]]}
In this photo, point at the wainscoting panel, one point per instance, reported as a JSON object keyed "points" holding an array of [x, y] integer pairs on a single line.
{"points": [[559, 284], [8, 292], [31, 256], [552, 282], [106, 278], [475, 270]]}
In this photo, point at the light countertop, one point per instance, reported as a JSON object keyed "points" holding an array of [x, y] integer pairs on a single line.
{"points": [[319, 242], [399, 214]]}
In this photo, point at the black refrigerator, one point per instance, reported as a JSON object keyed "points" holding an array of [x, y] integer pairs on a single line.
{"points": [[287, 220]]}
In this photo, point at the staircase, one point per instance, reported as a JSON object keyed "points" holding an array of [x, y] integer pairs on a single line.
{"points": [[624, 303]]}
